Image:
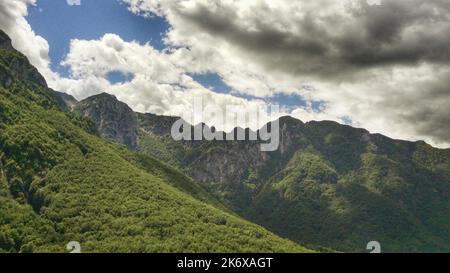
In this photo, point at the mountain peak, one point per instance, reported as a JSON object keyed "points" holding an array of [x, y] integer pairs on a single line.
{"points": [[105, 95], [114, 119], [102, 96]]}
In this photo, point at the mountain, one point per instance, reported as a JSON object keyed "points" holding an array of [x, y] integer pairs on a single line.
{"points": [[61, 182], [342, 186], [113, 119], [331, 185], [327, 185]]}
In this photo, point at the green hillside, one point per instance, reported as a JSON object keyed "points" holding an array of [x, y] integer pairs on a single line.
{"points": [[309, 201], [60, 182], [327, 185]]}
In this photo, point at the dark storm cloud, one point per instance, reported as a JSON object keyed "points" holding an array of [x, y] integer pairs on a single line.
{"points": [[427, 107], [264, 39], [403, 32], [399, 32]]}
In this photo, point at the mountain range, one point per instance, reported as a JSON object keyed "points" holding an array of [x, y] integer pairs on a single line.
{"points": [[97, 172]]}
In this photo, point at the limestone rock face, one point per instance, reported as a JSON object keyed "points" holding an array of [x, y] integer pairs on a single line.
{"points": [[113, 119]]}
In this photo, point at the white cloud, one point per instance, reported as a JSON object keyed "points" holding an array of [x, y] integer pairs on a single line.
{"points": [[73, 2]]}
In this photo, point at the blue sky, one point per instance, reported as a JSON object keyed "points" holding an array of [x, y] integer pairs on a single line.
{"points": [[289, 102], [58, 23]]}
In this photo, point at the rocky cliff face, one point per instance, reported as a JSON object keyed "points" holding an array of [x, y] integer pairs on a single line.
{"points": [[114, 119]]}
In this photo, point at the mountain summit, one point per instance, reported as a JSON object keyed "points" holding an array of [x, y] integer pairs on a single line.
{"points": [[114, 119]]}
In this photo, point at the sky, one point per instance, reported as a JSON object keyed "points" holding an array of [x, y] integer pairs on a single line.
{"points": [[59, 23], [381, 66]]}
